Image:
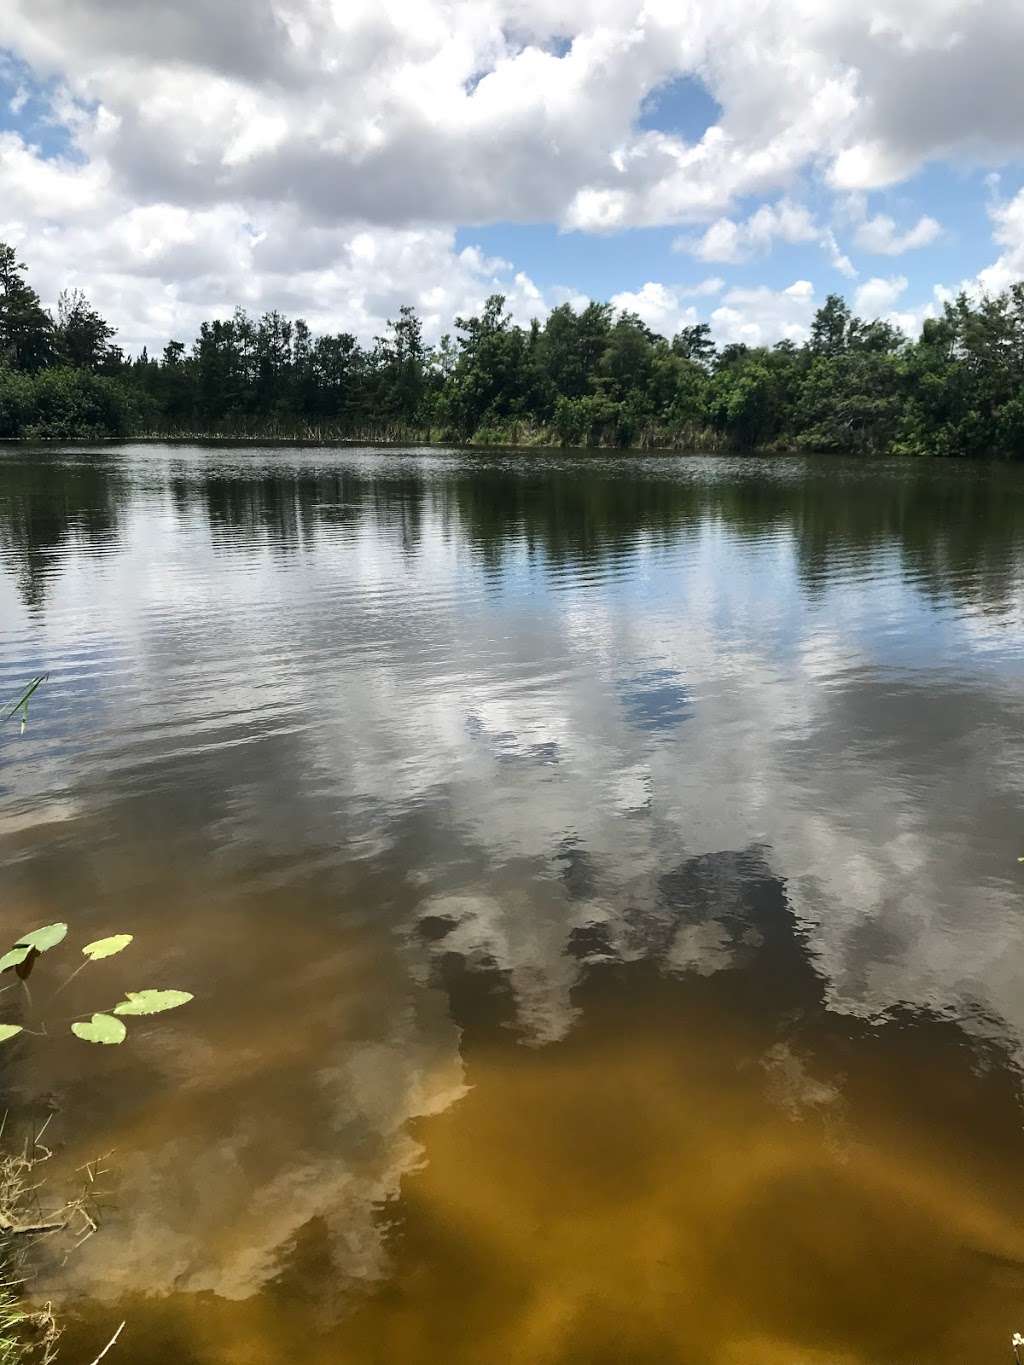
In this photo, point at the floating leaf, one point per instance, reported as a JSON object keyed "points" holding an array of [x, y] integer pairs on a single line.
{"points": [[152, 1002], [101, 1028], [107, 947], [14, 958], [46, 937], [8, 1031]]}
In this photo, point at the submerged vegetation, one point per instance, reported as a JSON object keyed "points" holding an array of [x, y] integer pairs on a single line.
{"points": [[591, 378]]}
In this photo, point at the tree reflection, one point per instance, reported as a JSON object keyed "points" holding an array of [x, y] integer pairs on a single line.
{"points": [[51, 506]]}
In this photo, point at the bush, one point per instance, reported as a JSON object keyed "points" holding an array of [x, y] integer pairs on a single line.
{"points": [[64, 404], [77, 403], [15, 401]]}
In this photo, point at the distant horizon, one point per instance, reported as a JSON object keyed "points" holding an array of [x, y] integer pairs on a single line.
{"points": [[730, 166]]}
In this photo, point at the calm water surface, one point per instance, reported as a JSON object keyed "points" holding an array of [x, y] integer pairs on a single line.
{"points": [[597, 878]]}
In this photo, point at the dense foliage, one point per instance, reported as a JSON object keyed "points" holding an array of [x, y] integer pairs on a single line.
{"points": [[594, 377]]}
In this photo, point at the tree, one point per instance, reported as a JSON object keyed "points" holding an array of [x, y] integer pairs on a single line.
{"points": [[402, 359], [26, 330], [628, 359], [174, 386], [570, 349], [492, 377], [592, 376], [81, 338], [830, 330], [695, 343], [854, 403], [752, 396]]}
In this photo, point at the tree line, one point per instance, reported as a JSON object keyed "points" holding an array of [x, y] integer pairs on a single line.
{"points": [[596, 377]]}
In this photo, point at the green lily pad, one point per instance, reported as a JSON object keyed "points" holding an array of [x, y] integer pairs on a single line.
{"points": [[101, 1028], [152, 1002], [107, 947], [46, 937], [15, 957], [9, 1031]]}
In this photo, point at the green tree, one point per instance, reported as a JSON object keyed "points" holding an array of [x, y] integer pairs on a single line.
{"points": [[492, 378], [80, 336], [830, 330], [695, 343], [26, 330], [402, 359]]}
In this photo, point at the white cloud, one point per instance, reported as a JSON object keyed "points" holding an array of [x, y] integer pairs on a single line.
{"points": [[659, 306], [1008, 232], [837, 257], [714, 284], [722, 242], [877, 297], [881, 236], [317, 122], [160, 270], [762, 316], [728, 242], [380, 111]]}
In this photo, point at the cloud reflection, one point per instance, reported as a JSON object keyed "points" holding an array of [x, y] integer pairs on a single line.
{"points": [[501, 728]]}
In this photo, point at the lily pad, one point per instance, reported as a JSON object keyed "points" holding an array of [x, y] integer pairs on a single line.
{"points": [[101, 1028], [46, 937], [15, 957], [107, 947], [9, 1031], [152, 1002]]}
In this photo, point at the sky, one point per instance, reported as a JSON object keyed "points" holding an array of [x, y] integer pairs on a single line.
{"points": [[733, 162]]}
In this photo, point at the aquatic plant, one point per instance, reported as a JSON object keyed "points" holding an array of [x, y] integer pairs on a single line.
{"points": [[29, 1334], [106, 1025], [20, 703], [25, 1334]]}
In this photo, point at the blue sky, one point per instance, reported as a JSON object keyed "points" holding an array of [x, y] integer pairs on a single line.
{"points": [[604, 264], [688, 162]]}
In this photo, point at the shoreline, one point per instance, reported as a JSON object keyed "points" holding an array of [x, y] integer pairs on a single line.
{"points": [[400, 443], [765, 452]]}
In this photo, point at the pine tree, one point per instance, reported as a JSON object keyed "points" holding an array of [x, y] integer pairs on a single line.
{"points": [[26, 330]]}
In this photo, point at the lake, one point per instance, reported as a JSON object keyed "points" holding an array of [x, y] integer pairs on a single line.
{"points": [[598, 880]]}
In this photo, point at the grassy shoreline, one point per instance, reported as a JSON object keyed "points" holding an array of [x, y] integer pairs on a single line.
{"points": [[433, 440]]}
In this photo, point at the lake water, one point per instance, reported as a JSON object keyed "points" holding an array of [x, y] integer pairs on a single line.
{"points": [[597, 876]]}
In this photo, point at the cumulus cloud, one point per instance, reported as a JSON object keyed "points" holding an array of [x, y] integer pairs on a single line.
{"points": [[160, 270], [1008, 231], [934, 80], [305, 125], [876, 297], [729, 242], [714, 284], [881, 236], [883, 298], [659, 306], [505, 109], [759, 317]]}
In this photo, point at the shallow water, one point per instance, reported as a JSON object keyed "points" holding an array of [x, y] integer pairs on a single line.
{"points": [[598, 881]]}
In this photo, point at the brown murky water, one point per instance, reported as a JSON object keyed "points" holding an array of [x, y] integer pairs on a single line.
{"points": [[597, 878]]}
